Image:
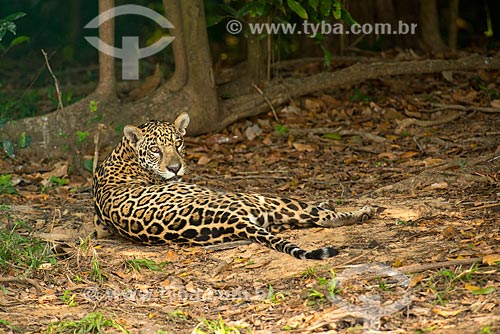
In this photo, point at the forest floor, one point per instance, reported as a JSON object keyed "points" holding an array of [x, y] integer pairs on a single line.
{"points": [[428, 262]]}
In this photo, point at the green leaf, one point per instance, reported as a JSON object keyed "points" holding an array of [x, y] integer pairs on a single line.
{"points": [[88, 164], [14, 16], [82, 136], [333, 135], [6, 24], [347, 18], [8, 148], [327, 55], [6, 186], [281, 129], [254, 8], [325, 6], [314, 4], [19, 40], [24, 140], [483, 291], [337, 10], [297, 8]]}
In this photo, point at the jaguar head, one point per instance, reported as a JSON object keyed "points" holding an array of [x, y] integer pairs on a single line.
{"points": [[159, 146]]}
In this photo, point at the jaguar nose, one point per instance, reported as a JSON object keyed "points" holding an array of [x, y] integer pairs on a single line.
{"points": [[174, 168]]}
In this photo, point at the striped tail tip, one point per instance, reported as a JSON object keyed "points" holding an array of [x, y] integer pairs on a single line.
{"points": [[317, 254]]}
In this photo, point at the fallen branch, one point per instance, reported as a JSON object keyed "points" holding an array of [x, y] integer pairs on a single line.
{"points": [[413, 121], [439, 107], [22, 280], [416, 268], [365, 135], [278, 91]]}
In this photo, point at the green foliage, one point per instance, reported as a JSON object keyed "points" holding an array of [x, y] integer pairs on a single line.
{"points": [[93, 106], [281, 129], [315, 296], [139, 264], [21, 254], [284, 11], [66, 98], [24, 140], [12, 107], [94, 322], [7, 25], [6, 186], [8, 148], [11, 328], [69, 298], [359, 96], [486, 330], [88, 164], [311, 272], [297, 8], [95, 270], [57, 181], [332, 135], [82, 136], [216, 326], [275, 296]]}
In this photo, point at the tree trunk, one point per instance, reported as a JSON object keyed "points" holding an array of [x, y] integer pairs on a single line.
{"points": [[106, 88], [430, 38], [452, 24]]}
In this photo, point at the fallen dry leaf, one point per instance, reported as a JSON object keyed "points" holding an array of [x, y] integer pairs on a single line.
{"points": [[203, 160], [491, 259], [445, 312], [495, 104], [437, 185], [432, 161], [409, 154], [253, 132], [304, 147]]}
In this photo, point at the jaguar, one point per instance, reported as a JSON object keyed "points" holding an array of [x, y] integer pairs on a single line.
{"points": [[138, 195]]}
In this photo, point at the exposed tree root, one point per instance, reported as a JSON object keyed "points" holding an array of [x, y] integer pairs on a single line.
{"points": [[166, 103]]}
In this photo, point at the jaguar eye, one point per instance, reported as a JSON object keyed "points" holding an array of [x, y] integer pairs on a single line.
{"points": [[155, 149], [178, 143]]}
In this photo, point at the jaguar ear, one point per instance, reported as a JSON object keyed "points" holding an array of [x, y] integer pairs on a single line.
{"points": [[133, 134], [182, 122]]}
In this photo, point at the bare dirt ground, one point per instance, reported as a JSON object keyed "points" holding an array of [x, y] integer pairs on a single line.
{"points": [[435, 187]]}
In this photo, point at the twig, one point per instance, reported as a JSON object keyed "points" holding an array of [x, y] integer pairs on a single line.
{"points": [[365, 135], [416, 268], [96, 147], [354, 259], [485, 206], [227, 245], [268, 101], [56, 82], [440, 106], [410, 121], [22, 280]]}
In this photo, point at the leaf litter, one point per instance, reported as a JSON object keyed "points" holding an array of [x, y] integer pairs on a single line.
{"points": [[434, 184]]}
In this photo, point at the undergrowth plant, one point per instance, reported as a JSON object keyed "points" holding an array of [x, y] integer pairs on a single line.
{"points": [[21, 253], [218, 326], [94, 322], [6, 186], [139, 264]]}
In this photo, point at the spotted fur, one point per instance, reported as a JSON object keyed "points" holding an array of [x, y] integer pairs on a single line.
{"points": [[137, 196]]}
